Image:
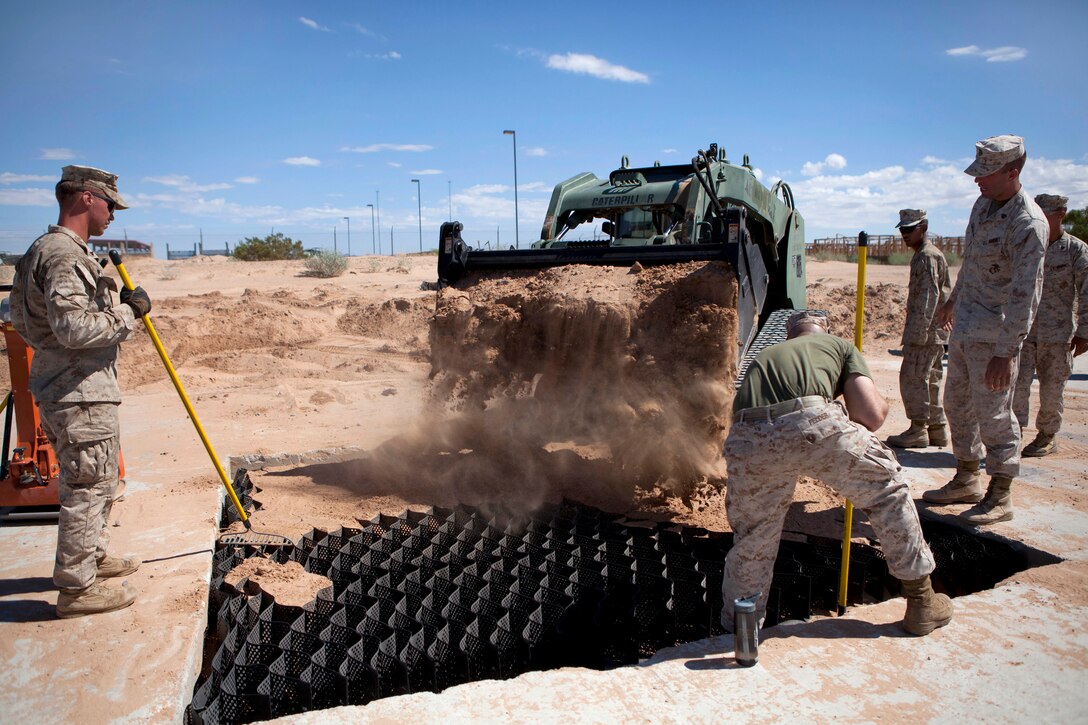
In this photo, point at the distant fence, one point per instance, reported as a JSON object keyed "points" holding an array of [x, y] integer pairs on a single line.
{"points": [[197, 250], [881, 246]]}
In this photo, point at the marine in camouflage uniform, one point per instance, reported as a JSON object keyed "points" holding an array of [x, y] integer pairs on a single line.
{"points": [[1054, 338], [785, 425], [923, 340], [62, 305], [992, 307]]}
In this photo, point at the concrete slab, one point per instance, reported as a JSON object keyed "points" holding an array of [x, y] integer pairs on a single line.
{"points": [[1015, 653]]}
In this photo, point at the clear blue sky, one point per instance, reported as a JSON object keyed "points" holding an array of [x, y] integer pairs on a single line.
{"points": [[237, 118]]}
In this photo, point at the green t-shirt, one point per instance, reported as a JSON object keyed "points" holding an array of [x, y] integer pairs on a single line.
{"points": [[816, 364]]}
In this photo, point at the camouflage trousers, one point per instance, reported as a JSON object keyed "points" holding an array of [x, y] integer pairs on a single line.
{"points": [[980, 420], [920, 382], [1053, 362], [85, 438], [765, 458]]}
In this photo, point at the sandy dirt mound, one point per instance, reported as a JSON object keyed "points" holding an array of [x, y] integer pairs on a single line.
{"points": [[253, 335], [885, 310]]}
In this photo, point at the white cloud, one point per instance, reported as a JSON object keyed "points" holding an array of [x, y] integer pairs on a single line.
{"points": [[27, 197], [184, 183], [302, 161], [428, 172], [1004, 54], [375, 147], [758, 173], [247, 180], [362, 30], [596, 67], [841, 203], [536, 151], [57, 154], [9, 178], [394, 164], [313, 24], [668, 151], [831, 161]]}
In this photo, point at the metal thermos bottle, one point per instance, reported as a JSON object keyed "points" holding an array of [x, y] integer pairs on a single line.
{"points": [[746, 631]]}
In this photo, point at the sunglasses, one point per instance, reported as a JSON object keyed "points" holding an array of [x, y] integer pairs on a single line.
{"points": [[111, 205]]}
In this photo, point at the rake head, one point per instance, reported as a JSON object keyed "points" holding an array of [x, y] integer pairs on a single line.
{"points": [[254, 538]]}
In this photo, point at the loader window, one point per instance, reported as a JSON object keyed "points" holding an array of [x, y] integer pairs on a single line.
{"points": [[637, 224]]}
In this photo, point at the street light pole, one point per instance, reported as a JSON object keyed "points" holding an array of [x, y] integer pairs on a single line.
{"points": [[517, 236], [419, 213], [378, 207], [372, 237], [334, 237], [348, 220]]}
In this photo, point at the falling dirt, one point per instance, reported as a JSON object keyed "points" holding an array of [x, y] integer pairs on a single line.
{"points": [[613, 377]]}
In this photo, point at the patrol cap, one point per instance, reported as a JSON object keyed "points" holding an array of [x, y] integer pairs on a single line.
{"points": [[807, 317], [993, 153], [1052, 202], [910, 217], [92, 179]]}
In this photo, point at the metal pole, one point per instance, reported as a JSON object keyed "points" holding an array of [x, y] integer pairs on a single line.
{"points": [[517, 236], [373, 243], [419, 213], [848, 512], [334, 237], [378, 207], [348, 220]]}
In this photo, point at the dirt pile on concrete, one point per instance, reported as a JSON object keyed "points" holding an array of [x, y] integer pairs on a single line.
{"points": [[289, 584], [581, 374]]}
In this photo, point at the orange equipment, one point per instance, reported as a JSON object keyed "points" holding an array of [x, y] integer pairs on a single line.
{"points": [[31, 476]]}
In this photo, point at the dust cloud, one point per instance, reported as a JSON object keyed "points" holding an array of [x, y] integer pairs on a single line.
{"points": [[577, 381]]}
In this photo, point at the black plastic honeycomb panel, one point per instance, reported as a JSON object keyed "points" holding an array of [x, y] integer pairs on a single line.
{"points": [[424, 601]]}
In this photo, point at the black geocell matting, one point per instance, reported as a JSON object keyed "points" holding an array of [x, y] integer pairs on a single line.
{"points": [[424, 601]]}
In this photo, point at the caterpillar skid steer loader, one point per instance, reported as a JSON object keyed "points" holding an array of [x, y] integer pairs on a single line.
{"points": [[708, 210], [618, 338]]}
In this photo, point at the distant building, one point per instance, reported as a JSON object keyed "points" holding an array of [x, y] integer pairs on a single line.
{"points": [[127, 247]]}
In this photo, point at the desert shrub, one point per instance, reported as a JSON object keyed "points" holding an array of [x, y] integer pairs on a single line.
{"points": [[274, 246], [953, 259], [900, 258], [324, 263]]}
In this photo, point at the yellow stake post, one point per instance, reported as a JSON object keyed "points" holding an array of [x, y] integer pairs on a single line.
{"points": [[115, 256], [848, 513]]}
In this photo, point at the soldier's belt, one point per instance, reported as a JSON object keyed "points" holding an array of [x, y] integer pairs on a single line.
{"points": [[767, 412]]}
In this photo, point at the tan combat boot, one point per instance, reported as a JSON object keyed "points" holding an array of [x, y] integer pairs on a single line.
{"points": [[938, 434], [1043, 445], [965, 486], [913, 437], [996, 507], [114, 566], [95, 599], [926, 610]]}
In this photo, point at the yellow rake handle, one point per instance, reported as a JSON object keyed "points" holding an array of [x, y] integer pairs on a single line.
{"points": [[848, 513], [115, 257]]}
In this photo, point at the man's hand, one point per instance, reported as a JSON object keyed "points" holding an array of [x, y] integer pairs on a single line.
{"points": [[999, 373], [943, 316], [1078, 345], [137, 299]]}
